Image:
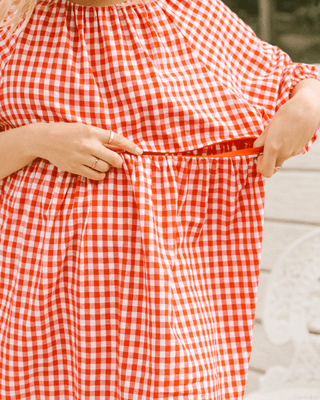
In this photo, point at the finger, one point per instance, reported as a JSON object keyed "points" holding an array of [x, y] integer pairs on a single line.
{"points": [[117, 140], [261, 140], [105, 156], [279, 163], [113, 148], [267, 161], [276, 168], [89, 173], [258, 159], [123, 143], [100, 165]]}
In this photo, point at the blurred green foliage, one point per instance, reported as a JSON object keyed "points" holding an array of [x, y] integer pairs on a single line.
{"points": [[303, 15], [251, 6], [238, 6], [295, 25]]}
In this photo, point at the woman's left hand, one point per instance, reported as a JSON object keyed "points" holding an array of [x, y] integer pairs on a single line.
{"points": [[288, 132]]}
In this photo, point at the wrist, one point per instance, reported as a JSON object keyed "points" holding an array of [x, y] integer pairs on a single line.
{"points": [[307, 102], [34, 138]]}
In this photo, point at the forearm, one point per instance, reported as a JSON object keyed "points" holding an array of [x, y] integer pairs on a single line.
{"points": [[14, 145], [307, 96]]}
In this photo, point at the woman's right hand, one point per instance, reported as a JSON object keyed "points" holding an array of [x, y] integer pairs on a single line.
{"points": [[74, 147]]}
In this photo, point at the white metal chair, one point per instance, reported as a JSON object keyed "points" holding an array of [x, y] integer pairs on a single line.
{"points": [[292, 312]]}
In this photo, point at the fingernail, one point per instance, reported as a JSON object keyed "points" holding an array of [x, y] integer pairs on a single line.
{"points": [[138, 150]]}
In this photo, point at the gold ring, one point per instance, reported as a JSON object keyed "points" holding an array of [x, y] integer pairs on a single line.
{"points": [[95, 163], [111, 137]]}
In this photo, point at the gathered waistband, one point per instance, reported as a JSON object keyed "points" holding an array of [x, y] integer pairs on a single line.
{"points": [[242, 152], [230, 148]]}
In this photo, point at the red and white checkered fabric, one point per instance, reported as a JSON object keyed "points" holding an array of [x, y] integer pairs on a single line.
{"points": [[141, 286]]}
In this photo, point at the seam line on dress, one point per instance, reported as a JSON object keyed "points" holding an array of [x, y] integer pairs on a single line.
{"points": [[242, 152]]}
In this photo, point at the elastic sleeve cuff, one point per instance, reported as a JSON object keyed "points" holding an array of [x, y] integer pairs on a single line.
{"points": [[292, 75]]}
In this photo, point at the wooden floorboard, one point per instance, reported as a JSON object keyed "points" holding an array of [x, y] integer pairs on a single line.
{"points": [[277, 237], [265, 354], [293, 196], [309, 161], [253, 383]]}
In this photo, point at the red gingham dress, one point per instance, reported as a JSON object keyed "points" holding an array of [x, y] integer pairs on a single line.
{"points": [[143, 285]]}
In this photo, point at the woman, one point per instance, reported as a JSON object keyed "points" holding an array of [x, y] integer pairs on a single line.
{"points": [[139, 281]]}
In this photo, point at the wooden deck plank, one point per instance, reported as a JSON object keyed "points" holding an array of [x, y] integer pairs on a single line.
{"points": [[253, 383], [309, 161], [277, 237], [293, 196], [265, 354]]}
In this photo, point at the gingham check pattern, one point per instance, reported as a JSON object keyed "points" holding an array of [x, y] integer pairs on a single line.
{"points": [[141, 286]]}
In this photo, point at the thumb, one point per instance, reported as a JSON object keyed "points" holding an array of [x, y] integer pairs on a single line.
{"points": [[261, 139]]}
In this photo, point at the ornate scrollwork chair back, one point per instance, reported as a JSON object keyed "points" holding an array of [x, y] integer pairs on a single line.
{"points": [[292, 313]]}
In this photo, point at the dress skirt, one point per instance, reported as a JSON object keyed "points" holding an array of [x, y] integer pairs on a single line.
{"points": [[140, 286]]}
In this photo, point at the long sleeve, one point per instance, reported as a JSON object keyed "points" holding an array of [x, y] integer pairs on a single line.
{"points": [[268, 67], [258, 75]]}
